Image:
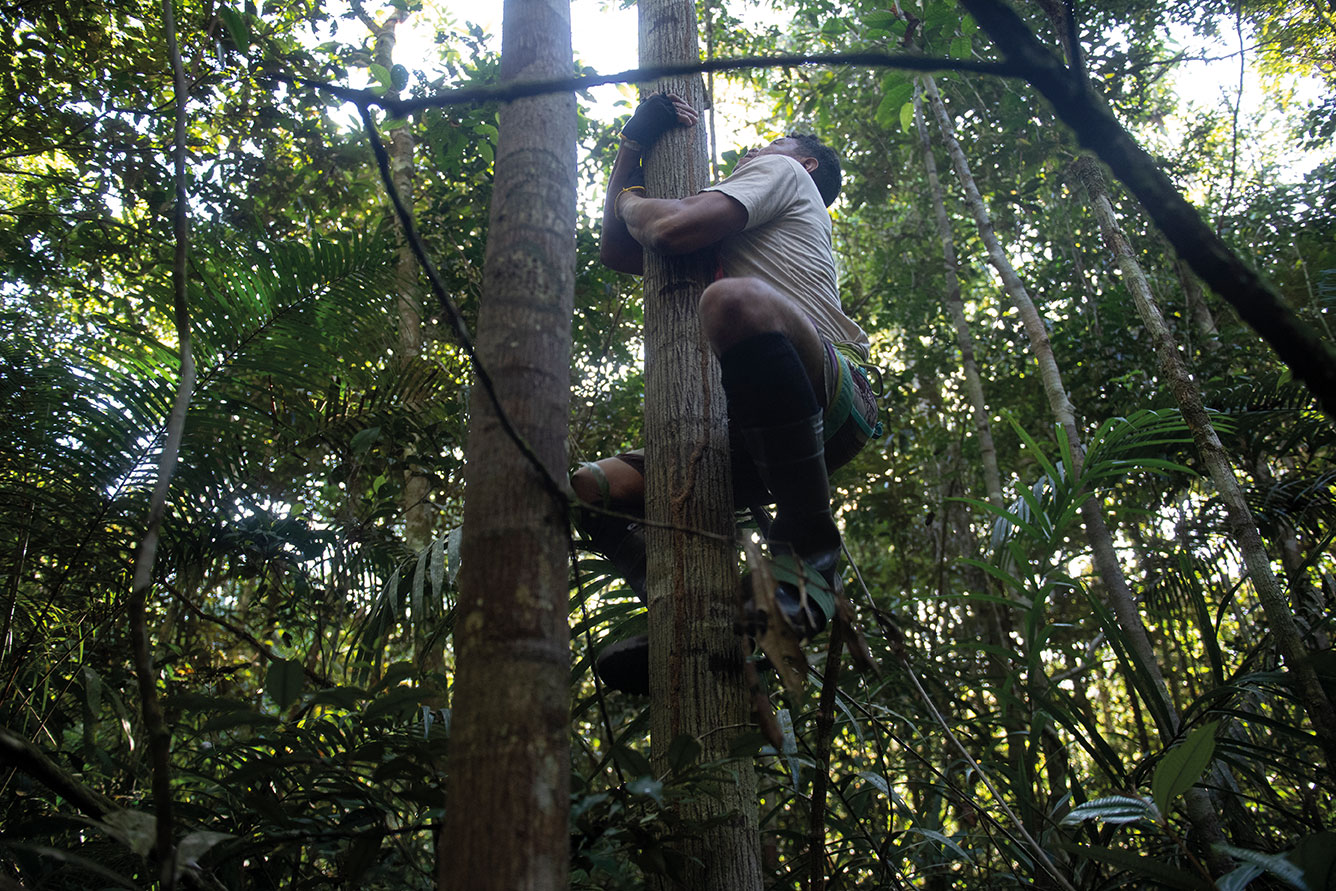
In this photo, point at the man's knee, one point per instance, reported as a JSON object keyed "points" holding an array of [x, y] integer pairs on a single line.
{"points": [[610, 482], [733, 309]]}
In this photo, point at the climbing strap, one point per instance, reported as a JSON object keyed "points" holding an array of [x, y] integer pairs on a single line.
{"points": [[841, 403]]}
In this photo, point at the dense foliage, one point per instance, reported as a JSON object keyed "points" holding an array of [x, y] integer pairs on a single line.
{"points": [[1009, 736]]}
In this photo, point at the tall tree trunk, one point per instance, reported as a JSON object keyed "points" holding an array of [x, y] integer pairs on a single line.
{"points": [[428, 649], [696, 680], [964, 340], [509, 763], [1198, 311], [1239, 518]]}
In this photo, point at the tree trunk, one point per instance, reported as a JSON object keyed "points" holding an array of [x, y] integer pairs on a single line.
{"points": [[696, 681], [1239, 518], [428, 649], [973, 383], [509, 762], [1120, 598], [1198, 311]]}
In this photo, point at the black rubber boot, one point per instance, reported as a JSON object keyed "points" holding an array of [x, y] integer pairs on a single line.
{"points": [[621, 542], [775, 409], [791, 459], [623, 665]]}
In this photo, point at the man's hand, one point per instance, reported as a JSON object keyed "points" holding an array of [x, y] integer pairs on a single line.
{"points": [[656, 116]]}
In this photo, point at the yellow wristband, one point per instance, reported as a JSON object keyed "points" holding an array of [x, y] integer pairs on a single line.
{"points": [[617, 202]]}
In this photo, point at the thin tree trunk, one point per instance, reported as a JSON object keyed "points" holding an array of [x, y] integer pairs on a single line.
{"points": [[1106, 560], [696, 680], [408, 302], [146, 672], [964, 340], [509, 763], [1239, 519], [1120, 598]]}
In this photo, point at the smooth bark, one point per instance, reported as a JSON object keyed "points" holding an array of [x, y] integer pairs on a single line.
{"points": [[508, 784]]}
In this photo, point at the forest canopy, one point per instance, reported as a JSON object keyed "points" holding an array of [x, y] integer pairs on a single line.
{"points": [[1090, 556]]}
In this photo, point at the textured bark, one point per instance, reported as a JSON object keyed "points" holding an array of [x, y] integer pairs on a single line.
{"points": [[696, 681], [1239, 518], [508, 784], [1298, 344], [1120, 597]]}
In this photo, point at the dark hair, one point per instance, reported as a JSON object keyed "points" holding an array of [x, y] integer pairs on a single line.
{"points": [[827, 175]]}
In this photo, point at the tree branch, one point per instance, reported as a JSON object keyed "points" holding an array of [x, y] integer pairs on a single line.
{"points": [[508, 91], [22, 754]]}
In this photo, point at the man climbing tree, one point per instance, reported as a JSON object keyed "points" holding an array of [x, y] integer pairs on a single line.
{"points": [[791, 361]]}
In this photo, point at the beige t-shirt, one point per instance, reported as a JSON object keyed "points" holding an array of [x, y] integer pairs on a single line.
{"points": [[787, 241]]}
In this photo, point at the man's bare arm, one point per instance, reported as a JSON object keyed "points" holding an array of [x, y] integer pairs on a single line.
{"points": [[680, 225], [617, 249]]}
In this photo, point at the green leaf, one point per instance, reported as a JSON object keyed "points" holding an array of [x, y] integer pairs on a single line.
{"points": [[396, 700], [1238, 879], [906, 117], [363, 440], [1116, 809], [885, 113], [1316, 857], [962, 48], [237, 25], [135, 829], [942, 840], [683, 751], [196, 845], [283, 682], [381, 74], [1183, 766], [393, 123], [1275, 864], [646, 786], [632, 761], [339, 697]]}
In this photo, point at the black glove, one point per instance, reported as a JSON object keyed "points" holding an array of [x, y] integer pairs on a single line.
{"points": [[654, 117]]}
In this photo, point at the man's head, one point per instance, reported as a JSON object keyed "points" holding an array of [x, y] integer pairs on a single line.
{"points": [[818, 159]]}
